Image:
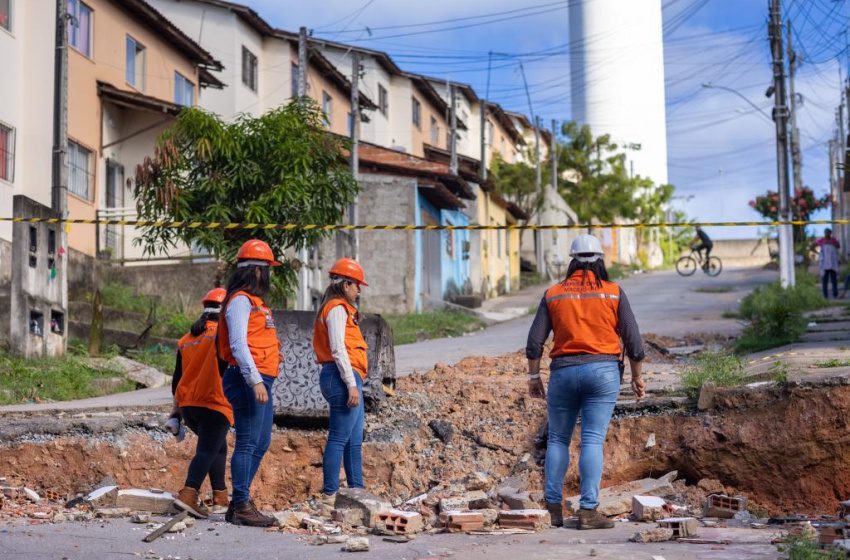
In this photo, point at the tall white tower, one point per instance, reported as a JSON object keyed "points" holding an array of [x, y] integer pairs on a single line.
{"points": [[617, 78]]}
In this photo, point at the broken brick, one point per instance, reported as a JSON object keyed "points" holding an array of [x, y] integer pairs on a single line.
{"points": [[530, 519], [659, 534], [478, 499], [518, 500], [830, 532], [112, 513], [682, 527], [105, 496], [647, 508], [154, 501], [353, 517], [725, 507], [462, 521], [357, 498], [398, 522]]}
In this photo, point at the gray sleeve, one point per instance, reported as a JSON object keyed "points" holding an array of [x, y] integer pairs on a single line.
{"points": [[237, 314], [539, 332], [628, 329]]}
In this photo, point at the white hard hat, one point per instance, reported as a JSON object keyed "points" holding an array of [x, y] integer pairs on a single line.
{"points": [[586, 248]]}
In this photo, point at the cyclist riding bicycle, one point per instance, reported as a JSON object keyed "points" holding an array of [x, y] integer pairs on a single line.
{"points": [[702, 242]]}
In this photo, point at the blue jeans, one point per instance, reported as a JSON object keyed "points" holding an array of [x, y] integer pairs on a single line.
{"points": [[253, 423], [345, 433], [589, 389], [830, 276]]}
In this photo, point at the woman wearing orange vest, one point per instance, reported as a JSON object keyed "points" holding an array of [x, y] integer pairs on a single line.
{"points": [[341, 350], [199, 397], [248, 344], [589, 316]]}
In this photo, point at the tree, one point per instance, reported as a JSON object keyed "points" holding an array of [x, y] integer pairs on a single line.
{"points": [[803, 205], [604, 191], [650, 204], [279, 168], [517, 182]]}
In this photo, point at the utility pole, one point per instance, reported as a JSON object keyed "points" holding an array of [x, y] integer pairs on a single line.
{"points": [[482, 172], [453, 131], [796, 153], [303, 300], [780, 117], [843, 158], [538, 245], [833, 184], [841, 172], [355, 153], [59, 191], [553, 154]]}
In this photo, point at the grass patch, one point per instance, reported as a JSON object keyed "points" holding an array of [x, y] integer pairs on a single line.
{"points": [[801, 548], [57, 379], [169, 321], [730, 315], [779, 372], [619, 271], [714, 289], [413, 327], [832, 363], [722, 368], [160, 357]]}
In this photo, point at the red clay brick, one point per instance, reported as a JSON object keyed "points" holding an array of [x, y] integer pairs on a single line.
{"points": [[717, 505], [399, 522], [462, 521]]}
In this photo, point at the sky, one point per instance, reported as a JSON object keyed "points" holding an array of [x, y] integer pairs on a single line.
{"points": [[721, 151]]}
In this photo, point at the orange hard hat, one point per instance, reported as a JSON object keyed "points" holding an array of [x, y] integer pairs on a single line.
{"points": [[216, 295], [256, 250], [349, 268]]}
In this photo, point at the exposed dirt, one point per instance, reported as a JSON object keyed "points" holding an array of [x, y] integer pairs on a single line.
{"points": [[786, 448]]}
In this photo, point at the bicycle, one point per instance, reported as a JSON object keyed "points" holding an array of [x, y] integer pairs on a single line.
{"points": [[687, 265]]}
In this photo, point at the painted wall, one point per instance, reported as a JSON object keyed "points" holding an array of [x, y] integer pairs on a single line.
{"points": [[556, 243], [27, 56], [499, 142], [454, 267]]}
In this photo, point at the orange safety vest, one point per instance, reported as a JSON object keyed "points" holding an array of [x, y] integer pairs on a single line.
{"points": [[584, 316], [262, 336], [200, 382], [355, 344]]}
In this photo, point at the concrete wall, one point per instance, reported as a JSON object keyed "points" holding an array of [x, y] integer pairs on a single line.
{"points": [[26, 101], [741, 252]]}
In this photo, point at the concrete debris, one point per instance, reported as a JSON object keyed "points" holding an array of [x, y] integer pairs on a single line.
{"points": [[178, 527], [112, 512], [707, 394], [490, 516], [617, 500], [397, 539], [724, 507], [445, 431], [105, 496], [165, 527], [59, 517], [32, 495], [844, 508], [682, 527], [141, 518], [357, 544], [478, 499], [841, 544], [140, 373], [289, 519], [454, 503], [477, 481], [462, 521], [831, 532], [518, 500], [659, 534], [351, 517], [650, 441], [647, 508], [330, 539], [529, 519], [357, 498], [153, 500], [398, 522]]}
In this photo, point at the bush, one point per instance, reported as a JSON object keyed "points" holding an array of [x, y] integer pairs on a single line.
{"points": [[722, 368], [801, 548]]}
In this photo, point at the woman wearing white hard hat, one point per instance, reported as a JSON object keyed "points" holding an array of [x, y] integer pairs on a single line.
{"points": [[593, 325]]}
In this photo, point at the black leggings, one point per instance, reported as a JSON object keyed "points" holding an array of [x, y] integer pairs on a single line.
{"points": [[211, 454]]}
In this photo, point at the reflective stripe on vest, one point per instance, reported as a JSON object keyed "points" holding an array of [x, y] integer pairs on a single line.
{"points": [[584, 316], [355, 344]]}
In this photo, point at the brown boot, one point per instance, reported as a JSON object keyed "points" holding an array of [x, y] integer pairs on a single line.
{"points": [[247, 514], [220, 501], [187, 500], [556, 513], [592, 519]]}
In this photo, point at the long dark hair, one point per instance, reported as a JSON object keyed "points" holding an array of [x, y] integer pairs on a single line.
{"points": [[200, 325], [245, 280], [597, 267], [333, 291]]}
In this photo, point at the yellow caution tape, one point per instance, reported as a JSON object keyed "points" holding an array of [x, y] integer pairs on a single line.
{"points": [[406, 227]]}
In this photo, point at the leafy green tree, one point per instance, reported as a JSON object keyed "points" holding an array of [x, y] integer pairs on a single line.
{"points": [[281, 167], [517, 182], [604, 191]]}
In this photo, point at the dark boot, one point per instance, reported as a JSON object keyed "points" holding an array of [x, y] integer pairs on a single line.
{"points": [[269, 518], [556, 512], [228, 515], [247, 514], [187, 500], [220, 501], [592, 519]]}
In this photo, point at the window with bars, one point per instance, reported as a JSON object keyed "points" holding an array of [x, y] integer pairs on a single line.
{"points": [[6, 14], [435, 132], [383, 100], [80, 26], [417, 113], [135, 68], [7, 153], [249, 69], [184, 90], [327, 106], [294, 79], [80, 175]]}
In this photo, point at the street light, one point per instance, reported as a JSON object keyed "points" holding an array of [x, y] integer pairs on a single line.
{"points": [[709, 85]]}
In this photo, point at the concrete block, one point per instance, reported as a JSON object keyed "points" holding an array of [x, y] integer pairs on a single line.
{"points": [[454, 503], [658, 534], [399, 522], [462, 521], [647, 508], [112, 513], [831, 532], [518, 500], [617, 500], [289, 519], [32, 495], [357, 498], [353, 517], [707, 395], [530, 519], [137, 499], [103, 497], [478, 499], [490, 516], [724, 507], [357, 544], [682, 527], [477, 481]]}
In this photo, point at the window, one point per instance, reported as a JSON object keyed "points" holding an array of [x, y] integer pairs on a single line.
{"points": [[383, 100], [79, 171], [7, 153], [249, 69], [294, 79], [6, 14], [184, 90], [327, 106], [417, 113], [435, 131], [79, 26], [135, 72]]}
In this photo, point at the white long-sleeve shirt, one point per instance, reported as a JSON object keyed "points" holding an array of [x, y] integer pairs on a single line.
{"points": [[336, 321], [237, 314]]}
